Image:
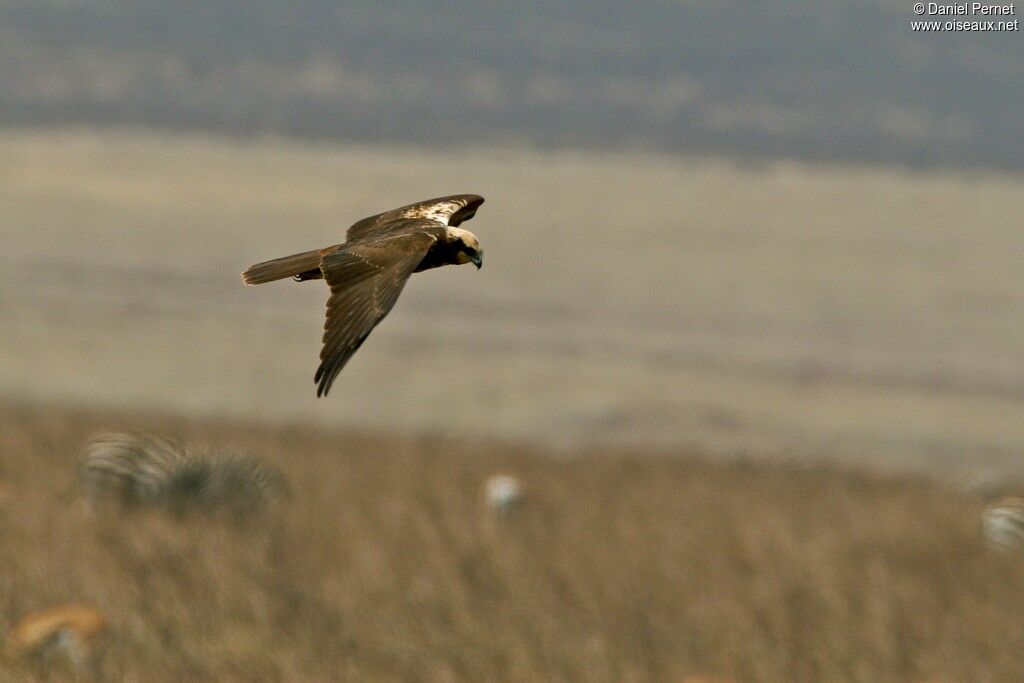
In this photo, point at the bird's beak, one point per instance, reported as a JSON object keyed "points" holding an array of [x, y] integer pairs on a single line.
{"points": [[477, 259]]}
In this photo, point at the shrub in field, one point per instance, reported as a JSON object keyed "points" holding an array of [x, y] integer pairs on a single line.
{"points": [[143, 470]]}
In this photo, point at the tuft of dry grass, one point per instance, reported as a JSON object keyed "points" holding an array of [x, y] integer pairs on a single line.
{"points": [[621, 567]]}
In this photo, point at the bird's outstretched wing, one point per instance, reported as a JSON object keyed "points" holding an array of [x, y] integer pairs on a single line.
{"points": [[365, 279], [450, 210]]}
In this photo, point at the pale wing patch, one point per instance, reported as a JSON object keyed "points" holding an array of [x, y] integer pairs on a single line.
{"points": [[445, 210], [440, 210]]}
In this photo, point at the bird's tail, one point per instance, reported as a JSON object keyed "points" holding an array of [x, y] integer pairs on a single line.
{"points": [[295, 265]]}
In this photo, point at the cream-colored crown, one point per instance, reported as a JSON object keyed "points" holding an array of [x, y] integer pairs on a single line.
{"points": [[464, 236]]}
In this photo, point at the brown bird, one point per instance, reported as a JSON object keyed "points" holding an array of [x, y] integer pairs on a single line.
{"points": [[368, 271]]}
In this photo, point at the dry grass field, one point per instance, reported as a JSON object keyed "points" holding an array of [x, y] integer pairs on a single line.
{"points": [[851, 339], [384, 564]]}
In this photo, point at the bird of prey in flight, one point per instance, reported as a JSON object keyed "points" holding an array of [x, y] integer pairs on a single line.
{"points": [[368, 271]]}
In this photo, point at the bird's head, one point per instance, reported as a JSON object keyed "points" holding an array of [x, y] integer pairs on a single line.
{"points": [[467, 247]]}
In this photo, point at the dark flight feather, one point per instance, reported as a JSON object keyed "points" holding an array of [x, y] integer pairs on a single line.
{"points": [[366, 278], [280, 268]]}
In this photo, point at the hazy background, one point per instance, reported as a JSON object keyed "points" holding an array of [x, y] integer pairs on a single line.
{"points": [[728, 247], [785, 230], [832, 81]]}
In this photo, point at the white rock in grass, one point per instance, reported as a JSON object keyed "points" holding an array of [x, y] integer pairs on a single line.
{"points": [[1003, 524], [503, 493]]}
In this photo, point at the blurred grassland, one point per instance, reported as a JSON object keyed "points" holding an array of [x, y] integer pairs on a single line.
{"points": [[870, 314], [384, 565]]}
